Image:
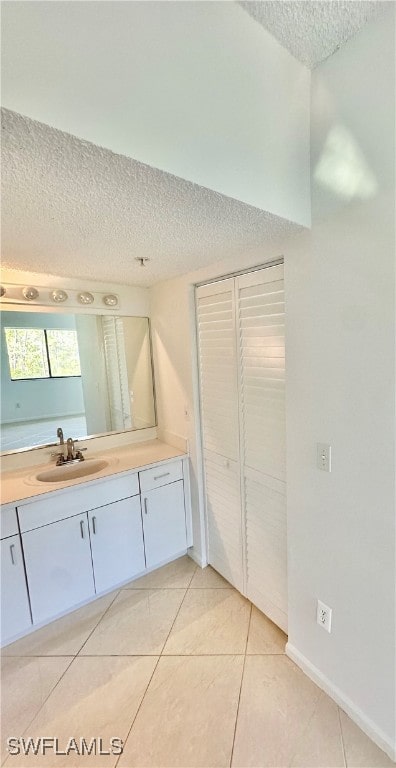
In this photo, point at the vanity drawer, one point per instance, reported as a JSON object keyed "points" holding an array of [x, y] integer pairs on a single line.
{"points": [[75, 500], [160, 475], [8, 521]]}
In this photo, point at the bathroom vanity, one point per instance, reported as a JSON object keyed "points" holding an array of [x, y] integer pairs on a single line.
{"points": [[64, 543]]}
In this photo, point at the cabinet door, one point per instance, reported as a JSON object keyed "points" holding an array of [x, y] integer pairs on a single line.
{"points": [[164, 523], [15, 612], [59, 566], [117, 542]]}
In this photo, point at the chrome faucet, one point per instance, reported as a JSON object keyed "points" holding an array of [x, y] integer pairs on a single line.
{"points": [[71, 455], [70, 449]]}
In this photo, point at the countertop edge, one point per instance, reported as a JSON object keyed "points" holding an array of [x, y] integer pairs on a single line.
{"points": [[26, 488]]}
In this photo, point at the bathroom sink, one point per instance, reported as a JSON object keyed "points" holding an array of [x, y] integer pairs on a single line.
{"points": [[72, 471]]}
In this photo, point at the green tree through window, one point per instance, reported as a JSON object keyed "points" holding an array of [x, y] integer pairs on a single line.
{"points": [[63, 353], [36, 353]]}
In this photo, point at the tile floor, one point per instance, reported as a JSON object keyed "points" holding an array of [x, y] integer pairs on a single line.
{"points": [[41, 432], [186, 672]]}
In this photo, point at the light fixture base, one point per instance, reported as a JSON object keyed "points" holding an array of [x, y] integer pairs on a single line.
{"points": [[142, 260]]}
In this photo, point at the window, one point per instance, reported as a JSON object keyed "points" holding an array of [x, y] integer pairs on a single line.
{"points": [[38, 353]]}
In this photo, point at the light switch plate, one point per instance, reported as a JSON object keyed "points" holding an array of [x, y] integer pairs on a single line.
{"points": [[323, 457]]}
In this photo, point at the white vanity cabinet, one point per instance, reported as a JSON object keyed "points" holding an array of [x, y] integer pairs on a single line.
{"points": [[58, 566], [62, 548], [57, 537], [116, 542], [15, 611], [163, 512]]}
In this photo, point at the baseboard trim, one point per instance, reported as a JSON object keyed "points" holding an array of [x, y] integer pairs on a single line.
{"points": [[356, 714], [197, 557]]}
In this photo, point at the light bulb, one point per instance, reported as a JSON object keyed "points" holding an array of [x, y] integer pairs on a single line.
{"points": [[110, 300], [85, 297], [58, 295], [30, 293]]}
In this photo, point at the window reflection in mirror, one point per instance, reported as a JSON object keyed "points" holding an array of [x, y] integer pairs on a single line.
{"points": [[90, 374]]}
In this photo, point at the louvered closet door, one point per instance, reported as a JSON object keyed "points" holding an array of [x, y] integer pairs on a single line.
{"points": [[220, 427], [263, 445]]}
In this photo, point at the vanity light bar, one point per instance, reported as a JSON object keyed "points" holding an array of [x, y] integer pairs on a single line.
{"points": [[12, 293]]}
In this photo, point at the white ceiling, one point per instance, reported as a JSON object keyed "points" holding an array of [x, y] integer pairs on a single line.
{"points": [[150, 81], [71, 208], [312, 30]]}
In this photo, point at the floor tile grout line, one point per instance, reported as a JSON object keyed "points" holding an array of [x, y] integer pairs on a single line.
{"points": [[192, 577], [174, 621], [135, 655], [304, 731], [342, 738], [72, 659], [196, 589], [137, 711], [240, 687], [49, 693], [98, 622], [40, 656], [249, 625], [151, 677]]}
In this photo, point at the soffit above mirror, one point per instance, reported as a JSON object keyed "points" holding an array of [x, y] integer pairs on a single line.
{"points": [[88, 213]]}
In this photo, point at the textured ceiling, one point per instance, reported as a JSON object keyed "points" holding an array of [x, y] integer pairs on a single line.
{"points": [[74, 209], [312, 30]]}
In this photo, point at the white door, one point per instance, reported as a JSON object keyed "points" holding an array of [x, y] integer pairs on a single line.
{"points": [[117, 542], [164, 523], [261, 320], [15, 611], [241, 324], [218, 369], [59, 566]]}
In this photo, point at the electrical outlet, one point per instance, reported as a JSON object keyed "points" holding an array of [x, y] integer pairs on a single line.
{"points": [[323, 616], [323, 457]]}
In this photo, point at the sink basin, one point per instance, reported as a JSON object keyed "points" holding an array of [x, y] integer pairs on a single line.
{"points": [[72, 471]]}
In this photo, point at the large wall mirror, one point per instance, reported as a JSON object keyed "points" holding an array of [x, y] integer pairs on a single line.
{"points": [[89, 374]]}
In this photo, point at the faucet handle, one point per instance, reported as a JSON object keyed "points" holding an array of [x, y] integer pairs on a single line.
{"points": [[59, 433]]}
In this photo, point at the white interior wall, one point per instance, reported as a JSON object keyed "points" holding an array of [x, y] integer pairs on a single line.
{"points": [[340, 319], [341, 383], [200, 90]]}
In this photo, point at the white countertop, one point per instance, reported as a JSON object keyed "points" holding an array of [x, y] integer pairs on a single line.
{"points": [[21, 484]]}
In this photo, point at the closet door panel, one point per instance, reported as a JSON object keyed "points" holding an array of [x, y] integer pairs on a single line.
{"points": [[266, 545], [224, 524], [263, 438], [218, 368], [262, 370]]}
